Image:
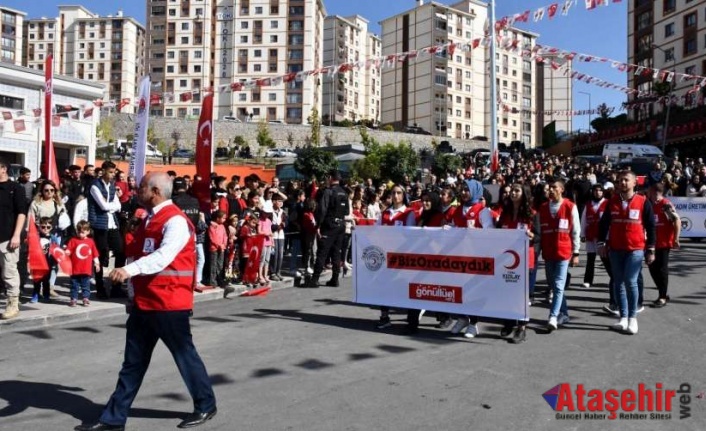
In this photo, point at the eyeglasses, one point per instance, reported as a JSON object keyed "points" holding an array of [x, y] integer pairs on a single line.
{"points": [[45, 227], [48, 190]]}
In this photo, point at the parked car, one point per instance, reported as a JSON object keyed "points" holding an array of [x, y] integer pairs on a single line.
{"points": [[278, 152], [222, 152], [231, 118], [183, 152], [416, 130]]}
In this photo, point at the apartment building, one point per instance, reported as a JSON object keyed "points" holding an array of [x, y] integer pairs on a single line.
{"points": [[104, 49], [196, 44], [668, 35], [11, 32], [355, 94]]}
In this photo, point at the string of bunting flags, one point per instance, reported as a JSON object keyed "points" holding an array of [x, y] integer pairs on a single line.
{"points": [[69, 112], [550, 11], [558, 113]]}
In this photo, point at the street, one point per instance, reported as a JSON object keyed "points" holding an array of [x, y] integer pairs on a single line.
{"points": [[308, 359]]}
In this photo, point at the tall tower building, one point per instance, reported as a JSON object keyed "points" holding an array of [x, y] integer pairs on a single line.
{"points": [[104, 49], [555, 88], [355, 94], [11, 31]]}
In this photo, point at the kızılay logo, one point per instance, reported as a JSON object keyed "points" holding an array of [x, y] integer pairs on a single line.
{"points": [[643, 403]]}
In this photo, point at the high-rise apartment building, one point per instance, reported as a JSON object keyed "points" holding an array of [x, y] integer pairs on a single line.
{"points": [[353, 95], [666, 35], [197, 44], [11, 32], [104, 49], [555, 87]]}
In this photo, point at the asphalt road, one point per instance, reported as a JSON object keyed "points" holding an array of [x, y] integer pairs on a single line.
{"points": [[308, 359]]}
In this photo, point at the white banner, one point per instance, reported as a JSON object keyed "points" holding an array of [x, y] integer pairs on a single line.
{"points": [[139, 145], [479, 272], [692, 212]]}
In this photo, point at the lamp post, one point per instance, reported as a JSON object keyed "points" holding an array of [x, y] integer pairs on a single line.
{"points": [[590, 116], [669, 95]]}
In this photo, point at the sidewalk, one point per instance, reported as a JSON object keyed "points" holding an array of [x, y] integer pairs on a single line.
{"points": [[42, 315]]}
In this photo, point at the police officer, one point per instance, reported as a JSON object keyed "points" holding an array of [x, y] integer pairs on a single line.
{"points": [[331, 229]]}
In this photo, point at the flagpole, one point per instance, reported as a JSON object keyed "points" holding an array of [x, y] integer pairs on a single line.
{"points": [[493, 86]]}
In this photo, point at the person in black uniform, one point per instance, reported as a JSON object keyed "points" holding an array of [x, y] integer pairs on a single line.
{"points": [[331, 210]]}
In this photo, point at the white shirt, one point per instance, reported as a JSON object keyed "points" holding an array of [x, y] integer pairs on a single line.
{"points": [[175, 236], [80, 211], [277, 219], [374, 211], [112, 207]]}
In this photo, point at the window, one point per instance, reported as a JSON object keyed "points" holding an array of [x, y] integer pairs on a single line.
{"points": [[669, 29], [273, 38], [257, 68], [669, 6], [526, 102], [243, 39], [185, 40], [184, 25], [274, 24], [198, 54], [182, 83], [668, 54], [170, 69], [257, 53], [11, 102], [170, 54], [243, 97], [244, 25], [272, 97], [690, 20], [690, 46], [439, 79], [644, 20], [258, 10], [691, 70]]}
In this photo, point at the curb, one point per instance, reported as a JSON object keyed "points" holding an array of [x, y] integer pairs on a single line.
{"points": [[61, 314]]}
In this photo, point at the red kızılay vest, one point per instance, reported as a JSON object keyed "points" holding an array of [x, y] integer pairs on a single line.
{"points": [[399, 219], [663, 226], [462, 219], [506, 222], [556, 231], [172, 288], [592, 219], [626, 230]]}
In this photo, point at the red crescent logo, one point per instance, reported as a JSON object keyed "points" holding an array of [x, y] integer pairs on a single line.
{"points": [[515, 256]]}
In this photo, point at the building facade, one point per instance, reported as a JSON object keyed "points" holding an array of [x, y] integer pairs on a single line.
{"points": [[667, 35], [11, 31], [555, 87], [355, 94], [105, 49], [22, 135], [195, 45]]}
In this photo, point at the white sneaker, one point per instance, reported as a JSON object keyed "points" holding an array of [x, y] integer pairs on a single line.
{"points": [[640, 309], [552, 324], [632, 326], [310, 270], [621, 325], [298, 274], [563, 319], [586, 285], [461, 323], [471, 331]]}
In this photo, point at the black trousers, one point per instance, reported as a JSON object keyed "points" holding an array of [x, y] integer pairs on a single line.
{"points": [[107, 241], [144, 329], [659, 270], [330, 243]]}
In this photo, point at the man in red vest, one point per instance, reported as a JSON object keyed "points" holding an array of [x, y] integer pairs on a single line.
{"points": [[628, 225], [559, 224], [668, 228], [162, 275]]}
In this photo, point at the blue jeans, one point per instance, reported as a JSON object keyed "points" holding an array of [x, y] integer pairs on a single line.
{"points": [[144, 329], [556, 277], [82, 282], [627, 266], [200, 262]]}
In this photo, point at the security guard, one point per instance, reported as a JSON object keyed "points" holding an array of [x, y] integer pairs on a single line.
{"points": [[330, 213]]}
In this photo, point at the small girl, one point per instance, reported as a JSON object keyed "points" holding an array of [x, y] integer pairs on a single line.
{"points": [[265, 228], [84, 258], [219, 242], [231, 270], [247, 231], [45, 238]]}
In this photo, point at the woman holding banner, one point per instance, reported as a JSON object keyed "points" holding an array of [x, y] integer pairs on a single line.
{"points": [[517, 213]]}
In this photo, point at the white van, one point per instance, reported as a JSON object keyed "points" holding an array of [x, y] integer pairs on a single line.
{"points": [[150, 150], [618, 153]]}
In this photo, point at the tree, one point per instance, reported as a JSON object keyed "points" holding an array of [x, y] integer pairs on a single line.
{"points": [[315, 123], [392, 161], [603, 111], [240, 141], [444, 163], [264, 140], [104, 130], [151, 136], [661, 88], [315, 162]]}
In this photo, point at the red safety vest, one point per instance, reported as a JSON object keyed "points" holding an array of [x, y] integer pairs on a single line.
{"points": [[664, 228], [626, 230], [472, 215], [556, 231], [593, 217], [449, 214], [399, 219], [172, 288], [506, 222]]}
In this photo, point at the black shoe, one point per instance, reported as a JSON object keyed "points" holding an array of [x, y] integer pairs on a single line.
{"points": [[101, 294], [519, 336], [333, 283], [227, 290], [100, 427], [195, 419], [383, 323], [313, 282]]}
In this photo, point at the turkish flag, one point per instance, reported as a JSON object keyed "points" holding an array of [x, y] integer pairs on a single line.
{"points": [[551, 10], [185, 97], [495, 162], [204, 149], [255, 244], [155, 99], [61, 258], [6, 115], [417, 207], [19, 126], [88, 113], [38, 265]]}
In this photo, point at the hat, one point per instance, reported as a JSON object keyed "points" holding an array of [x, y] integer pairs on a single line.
{"points": [[179, 183], [608, 185], [267, 207]]}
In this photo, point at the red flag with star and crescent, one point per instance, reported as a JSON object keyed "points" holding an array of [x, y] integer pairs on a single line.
{"points": [[61, 258], [255, 244], [38, 265], [204, 152]]}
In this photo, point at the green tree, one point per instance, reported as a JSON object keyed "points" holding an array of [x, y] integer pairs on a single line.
{"points": [[398, 161], [105, 131], [367, 167], [444, 163], [661, 88], [240, 141], [315, 162], [151, 136], [264, 140], [315, 124]]}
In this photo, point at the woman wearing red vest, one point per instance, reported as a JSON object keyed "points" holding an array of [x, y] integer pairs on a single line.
{"points": [[163, 280], [559, 222], [668, 228], [629, 227], [592, 213], [517, 213], [397, 214]]}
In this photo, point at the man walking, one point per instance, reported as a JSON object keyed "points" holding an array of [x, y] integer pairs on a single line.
{"points": [[163, 278], [13, 214], [629, 227]]}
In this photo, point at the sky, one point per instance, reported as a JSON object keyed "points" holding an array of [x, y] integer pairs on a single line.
{"points": [[601, 32]]}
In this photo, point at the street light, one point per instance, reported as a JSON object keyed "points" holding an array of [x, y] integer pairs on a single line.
{"points": [[669, 95], [590, 116]]}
